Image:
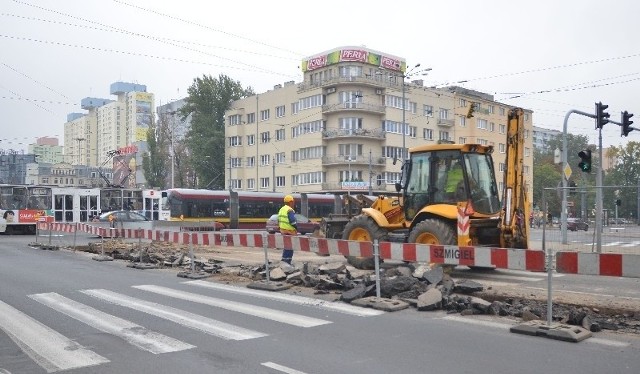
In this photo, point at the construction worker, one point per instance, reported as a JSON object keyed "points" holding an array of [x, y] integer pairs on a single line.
{"points": [[455, 182], [287, 223]]}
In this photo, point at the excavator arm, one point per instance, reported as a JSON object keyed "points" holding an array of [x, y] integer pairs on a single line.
{"points": [[514, 228]]}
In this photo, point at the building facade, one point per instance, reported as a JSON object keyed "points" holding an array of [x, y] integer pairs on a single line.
{"points": [[47, 149], [113, 133], [341, 129]]}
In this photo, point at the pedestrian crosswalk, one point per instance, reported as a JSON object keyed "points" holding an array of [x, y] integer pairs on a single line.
{"points": [[55, 352]]}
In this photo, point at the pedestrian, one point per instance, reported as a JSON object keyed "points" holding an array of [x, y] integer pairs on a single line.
{"points": [[288, 225]]}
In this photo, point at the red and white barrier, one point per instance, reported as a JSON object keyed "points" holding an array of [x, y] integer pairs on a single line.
{"points": [[504, 258], [611, 264]]}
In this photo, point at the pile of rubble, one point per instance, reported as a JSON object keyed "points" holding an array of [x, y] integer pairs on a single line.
{"points": [[421, 286], [428, 289]]}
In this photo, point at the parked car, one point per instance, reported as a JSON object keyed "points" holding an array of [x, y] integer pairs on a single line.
{"points": [[574, 224], [123, 216], [305, 226]]}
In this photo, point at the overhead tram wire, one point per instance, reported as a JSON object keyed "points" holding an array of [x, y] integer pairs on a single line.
{"points": [[112, 30], [207, 27], [259, 69]]}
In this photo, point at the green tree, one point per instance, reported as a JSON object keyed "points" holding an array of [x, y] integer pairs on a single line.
{"points": [[154, 159], [207, 102], [624, 177]]}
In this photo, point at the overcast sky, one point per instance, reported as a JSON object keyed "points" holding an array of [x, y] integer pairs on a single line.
{"points": [[547, 56]]}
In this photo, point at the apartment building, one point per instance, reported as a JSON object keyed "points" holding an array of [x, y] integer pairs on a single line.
{"points": [[341, 129], [113, 133]]}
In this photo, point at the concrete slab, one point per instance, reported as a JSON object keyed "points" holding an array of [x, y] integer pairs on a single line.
{"points": [[557, 331], [381, 303], [143, 266], [193, 275], [102, 258], [269, 286]]}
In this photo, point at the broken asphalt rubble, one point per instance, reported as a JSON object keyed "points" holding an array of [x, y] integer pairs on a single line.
{"points": [[419, 285]]}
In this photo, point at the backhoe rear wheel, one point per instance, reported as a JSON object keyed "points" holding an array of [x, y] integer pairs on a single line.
{"points": [[365, 229], [433, 231]]}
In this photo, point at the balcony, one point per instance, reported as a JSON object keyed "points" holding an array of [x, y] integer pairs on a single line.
{"points": [[342, 160], [376, 80], [358, 107], [354, 133], [445, 122]]}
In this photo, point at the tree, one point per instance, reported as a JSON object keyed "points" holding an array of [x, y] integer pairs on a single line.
{"points": [[154, 160], [625, 176], [207, 102]]}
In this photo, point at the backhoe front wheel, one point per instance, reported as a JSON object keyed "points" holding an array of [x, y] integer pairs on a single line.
{"points": [[433, 231], [365, 229]]}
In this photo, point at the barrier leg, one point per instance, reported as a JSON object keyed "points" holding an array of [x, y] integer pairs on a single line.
{"points": [[549, 277], [50, 234], [376, 261], [193, 262], [75, 230], [37, 233], [102, 256], [266, 256]]}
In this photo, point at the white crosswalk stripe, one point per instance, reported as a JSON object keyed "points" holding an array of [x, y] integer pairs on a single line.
{"points": [[55, 352], [182, 317], [48, 348], [134, 334], [254, 310], [292, 299]]}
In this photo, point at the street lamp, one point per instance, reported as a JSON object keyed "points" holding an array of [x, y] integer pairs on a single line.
{"points": [[349, 159]]}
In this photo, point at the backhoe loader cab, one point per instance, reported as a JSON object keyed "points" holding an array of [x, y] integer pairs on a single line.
{"points": [[436, 178]]}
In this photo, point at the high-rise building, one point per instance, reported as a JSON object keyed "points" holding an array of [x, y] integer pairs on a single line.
{"points": [[113, 133], [341, 129]]}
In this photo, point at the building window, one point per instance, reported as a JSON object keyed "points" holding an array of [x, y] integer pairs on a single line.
{"points": [[236, 162], [481, 124], [235, 119], [502, 129], [235, 141], [462, 121], [280, 181], [251, 139], [265, 160], [428, 110], [462, 140], [443, 135], [251, 161], [265, 137], [251, 184], [280, 112], [444, 113], [251, 118], [462, 103], [280, 134], [264, 182], [492, 126], [502, 111], [264, 115], [502, 148], [428, 134], [280, 158]]}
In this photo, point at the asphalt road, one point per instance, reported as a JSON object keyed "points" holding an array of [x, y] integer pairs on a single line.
{"points": [[62, 311]]}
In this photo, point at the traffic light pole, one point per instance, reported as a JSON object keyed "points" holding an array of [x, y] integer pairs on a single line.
{"points": [[563, 213]]}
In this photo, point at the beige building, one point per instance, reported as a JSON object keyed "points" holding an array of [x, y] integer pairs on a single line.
{"points": [[341, 128]]}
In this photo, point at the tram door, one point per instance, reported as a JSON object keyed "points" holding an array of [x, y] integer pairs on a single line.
{"points": [[75, 205], [63, 207]]}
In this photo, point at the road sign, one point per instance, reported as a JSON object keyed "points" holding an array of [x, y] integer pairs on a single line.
{"points": [[567, 171]]}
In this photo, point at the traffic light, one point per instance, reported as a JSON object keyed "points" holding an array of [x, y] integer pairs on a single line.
{"points": [[585, 160], [572, 188], [472, 108], [626, 123], [602, 117], [618, 202]]}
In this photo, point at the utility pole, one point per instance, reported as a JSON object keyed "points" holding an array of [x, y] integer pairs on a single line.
{"points": [[79, 154], [370, 175], [274, 173]]}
